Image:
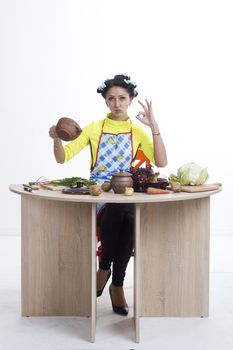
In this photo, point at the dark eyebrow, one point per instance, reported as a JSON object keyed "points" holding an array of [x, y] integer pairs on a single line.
{"points": [[117, 96]]}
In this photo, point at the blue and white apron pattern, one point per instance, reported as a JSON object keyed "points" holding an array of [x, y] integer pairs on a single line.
{"points": [[114, 152]]}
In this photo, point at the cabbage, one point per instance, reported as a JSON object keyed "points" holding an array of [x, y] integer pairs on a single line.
{"points": [[190, 174]]}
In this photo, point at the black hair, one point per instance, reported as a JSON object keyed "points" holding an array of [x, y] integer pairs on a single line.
{"points": [[122, 80]]}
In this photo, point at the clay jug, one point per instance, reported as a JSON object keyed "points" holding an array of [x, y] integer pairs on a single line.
{"points": [[120, 181]]}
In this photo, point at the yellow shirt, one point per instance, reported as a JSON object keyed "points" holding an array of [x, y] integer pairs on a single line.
{"points": [[91, 133]]}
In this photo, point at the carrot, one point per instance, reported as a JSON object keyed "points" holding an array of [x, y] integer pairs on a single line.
{"points": [[153, 190]]}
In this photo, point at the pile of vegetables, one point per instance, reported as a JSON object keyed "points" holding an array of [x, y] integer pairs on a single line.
{"points": [[72, 182], [190, 174], [143, 176]]}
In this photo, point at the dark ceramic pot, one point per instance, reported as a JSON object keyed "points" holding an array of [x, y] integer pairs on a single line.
{"points": [[120, 181], [67, 129]]}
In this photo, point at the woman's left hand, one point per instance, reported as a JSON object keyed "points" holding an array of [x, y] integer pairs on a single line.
{"points": [[146, 116]]}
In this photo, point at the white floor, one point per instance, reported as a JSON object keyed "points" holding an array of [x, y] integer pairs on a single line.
{"points": [[114, 331]]}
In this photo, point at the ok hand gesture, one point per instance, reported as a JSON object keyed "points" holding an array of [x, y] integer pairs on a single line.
{"points": [[146, 116]]}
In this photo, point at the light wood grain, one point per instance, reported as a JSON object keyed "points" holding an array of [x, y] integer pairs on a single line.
{"points": [[137, 289], [174, 242], [93, 273], [171, 271], [110, 197], [56, 258], [201, 188]]}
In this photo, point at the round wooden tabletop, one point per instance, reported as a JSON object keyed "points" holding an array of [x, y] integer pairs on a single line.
{"points": [[110, 197]]}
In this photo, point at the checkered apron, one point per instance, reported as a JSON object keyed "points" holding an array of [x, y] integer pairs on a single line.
{"points": [[114, 152]]}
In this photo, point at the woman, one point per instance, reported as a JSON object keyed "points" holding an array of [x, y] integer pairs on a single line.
{"points": [[114, 142]]}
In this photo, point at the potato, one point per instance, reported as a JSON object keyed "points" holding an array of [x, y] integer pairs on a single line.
{"points": [[95, 190], [129, 191], [106, 186]]}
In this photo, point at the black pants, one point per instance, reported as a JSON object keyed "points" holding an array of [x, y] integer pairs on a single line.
{"points": [[117, 239]]}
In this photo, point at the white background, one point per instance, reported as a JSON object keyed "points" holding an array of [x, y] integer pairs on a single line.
{"points": [[55, 53]]}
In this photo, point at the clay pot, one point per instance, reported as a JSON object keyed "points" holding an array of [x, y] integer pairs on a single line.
{"points": [[67, 129], [120, 181]]}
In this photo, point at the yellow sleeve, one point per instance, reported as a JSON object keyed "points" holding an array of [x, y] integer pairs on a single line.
{"points": [[89, 135]]}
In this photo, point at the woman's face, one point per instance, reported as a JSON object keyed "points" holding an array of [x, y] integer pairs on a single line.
{"points": [[118, 101]]}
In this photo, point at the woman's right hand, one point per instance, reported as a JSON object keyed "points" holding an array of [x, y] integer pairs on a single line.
{"points": [[52, 132], [57, 145]]}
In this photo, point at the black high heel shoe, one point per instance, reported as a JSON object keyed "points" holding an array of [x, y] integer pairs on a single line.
{"points": [[99, 292], [121, 310]]}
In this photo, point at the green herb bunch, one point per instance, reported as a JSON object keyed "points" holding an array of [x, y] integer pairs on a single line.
{"points": [[72, 182]]}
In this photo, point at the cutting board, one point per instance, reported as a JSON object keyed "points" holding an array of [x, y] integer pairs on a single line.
{"points": [[201, 188]]}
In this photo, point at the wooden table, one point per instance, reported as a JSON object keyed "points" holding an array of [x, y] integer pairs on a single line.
{"points": [[171, 265]]}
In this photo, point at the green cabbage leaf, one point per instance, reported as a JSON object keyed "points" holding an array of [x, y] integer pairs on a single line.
{"points": [[190, 174]]}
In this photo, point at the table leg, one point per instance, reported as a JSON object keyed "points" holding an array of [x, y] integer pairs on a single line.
{"points": [[58, 259], [137, 299], [174, 258], [93, 274]]}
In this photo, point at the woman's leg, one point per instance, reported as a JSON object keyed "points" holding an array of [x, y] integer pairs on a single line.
{"points": [[117, 228], [110, 226], [124, 246], [110, 229], [121, 258]]}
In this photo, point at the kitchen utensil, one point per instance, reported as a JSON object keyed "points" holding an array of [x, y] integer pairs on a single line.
{"points": [[201, 188], [67, 129], [120, 181]]}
